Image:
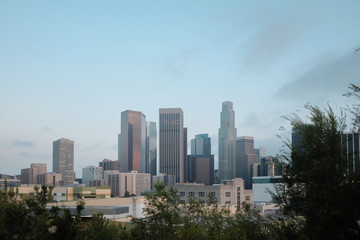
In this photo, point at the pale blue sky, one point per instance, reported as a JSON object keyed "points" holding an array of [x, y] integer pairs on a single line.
{"points": [[69, 68]]}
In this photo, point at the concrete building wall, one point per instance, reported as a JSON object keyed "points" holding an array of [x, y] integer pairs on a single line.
{"points": [[236, 189], [30, 175], [27, 176], [49, 179], [41, 167], [143, 183], [133, 183], [97, 183], [114, 182], [229, 192], [200, 191]]}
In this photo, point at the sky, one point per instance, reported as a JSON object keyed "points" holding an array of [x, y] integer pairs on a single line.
{"points": [[69, 68]]}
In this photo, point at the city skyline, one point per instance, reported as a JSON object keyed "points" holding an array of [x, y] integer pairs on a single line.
{"points": [[69, 69]]}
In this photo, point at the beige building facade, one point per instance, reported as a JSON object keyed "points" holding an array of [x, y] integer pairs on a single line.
{"points": [[49, 179], [29, 175], [229, 192]]}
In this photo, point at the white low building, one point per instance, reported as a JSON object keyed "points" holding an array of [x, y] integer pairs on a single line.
{"points": [[117, 209], [263, 187]]}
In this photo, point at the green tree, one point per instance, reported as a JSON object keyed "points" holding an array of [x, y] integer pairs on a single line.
{"points": [[25, 218], [98, 227], [38, 213], [14, 220], [165, 218], [204, 220], [162, 215], [64, 226], [317, 185], [28, 218]]}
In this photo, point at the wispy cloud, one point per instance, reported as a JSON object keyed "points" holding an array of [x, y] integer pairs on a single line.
{"points": [[45, 129], [325, 78], [26, 154], [273, 145], [22, 143], [266, 48], [176, 67], [96, 145]]}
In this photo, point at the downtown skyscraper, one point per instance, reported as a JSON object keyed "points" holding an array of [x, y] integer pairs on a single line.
{"points": [[245, 159], [151, 148], [227, 138], [171, 146], [201, 144], [63, 160], [201, 162], [132, 142]]}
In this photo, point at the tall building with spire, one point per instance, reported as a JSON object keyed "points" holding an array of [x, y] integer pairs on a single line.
{"points": [[227, 138], [171, 142]]}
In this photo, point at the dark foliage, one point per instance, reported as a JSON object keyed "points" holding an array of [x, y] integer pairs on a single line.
{"points": [[318, 185]]}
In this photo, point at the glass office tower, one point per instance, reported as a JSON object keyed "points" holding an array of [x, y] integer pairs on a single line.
{"points": [[132, 142], [171, 146]]}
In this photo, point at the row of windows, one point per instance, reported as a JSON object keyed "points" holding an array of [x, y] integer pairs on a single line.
{"points": [[55, 194], [199, 194]]}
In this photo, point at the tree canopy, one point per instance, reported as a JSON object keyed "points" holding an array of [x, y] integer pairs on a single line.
{"points": [[317, 182]]}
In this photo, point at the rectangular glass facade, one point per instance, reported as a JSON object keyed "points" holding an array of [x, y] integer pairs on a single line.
{"points": [[133, 135], [171, 149]]}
